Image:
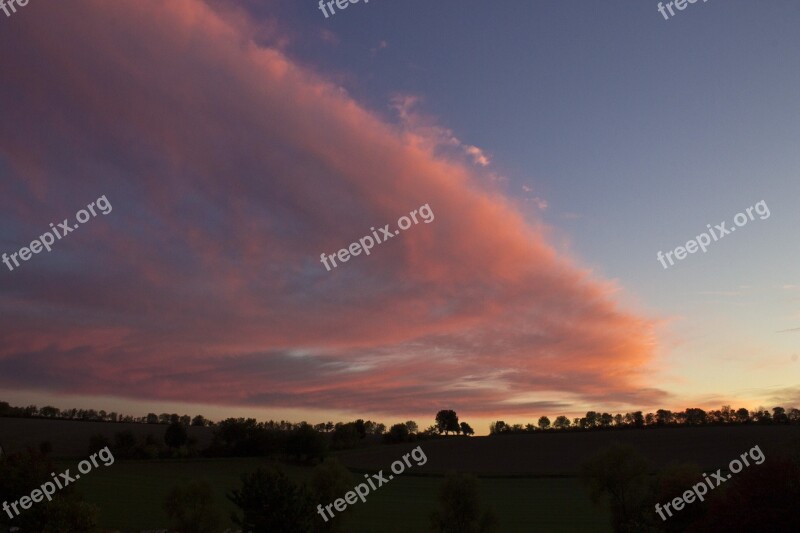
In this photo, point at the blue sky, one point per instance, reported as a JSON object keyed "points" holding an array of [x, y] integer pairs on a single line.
{"points": [[624, 133]]}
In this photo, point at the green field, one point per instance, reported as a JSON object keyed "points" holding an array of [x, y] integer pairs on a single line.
{"points": [[131, 494]]}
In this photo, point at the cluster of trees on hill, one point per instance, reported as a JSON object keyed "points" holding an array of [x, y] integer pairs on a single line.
{"points": [[237, 436], [246, 437], [662, 417]]}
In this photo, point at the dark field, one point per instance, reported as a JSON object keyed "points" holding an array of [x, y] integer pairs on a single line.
{"points": [[530, 480], [70, 438], [131, 495], [555, 454]]}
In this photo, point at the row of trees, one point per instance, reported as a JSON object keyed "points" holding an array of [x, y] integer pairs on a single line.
{"points": [[32, 411], [662, 417], [446, 422]]}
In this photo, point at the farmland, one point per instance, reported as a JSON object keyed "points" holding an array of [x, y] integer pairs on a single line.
{"points": [[530, 480]]}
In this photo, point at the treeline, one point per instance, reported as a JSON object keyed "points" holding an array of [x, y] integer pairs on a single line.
{"points": [[49, 411], [240, 437], [663, 417]]}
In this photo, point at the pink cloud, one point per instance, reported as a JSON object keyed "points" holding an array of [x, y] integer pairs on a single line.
{"points": [[231, 168]]}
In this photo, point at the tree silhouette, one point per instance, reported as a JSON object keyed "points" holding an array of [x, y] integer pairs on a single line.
{"points": [[459, 508], [270, 501], [619, 474], [447, 421], [176, 435], [191, 508]]}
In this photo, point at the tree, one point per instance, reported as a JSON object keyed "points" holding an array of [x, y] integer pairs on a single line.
{"points": [[562, 422], [199, 420], [757, 499], [152, 418], [270, 501], [497, 427], [361, 428], [762, 416], [397, 433], [673, 480], [412, 427], [176, 435], [49, 411], [779, 415], [459, 508], [21, 473], [619, 474], [307, 445], [191, 508], [742, 415], [544, 422], [98, 442], [466, 429], [696, 417], [124, 444], [726, 414], [329, 481], [447, 421], [344, 436]]}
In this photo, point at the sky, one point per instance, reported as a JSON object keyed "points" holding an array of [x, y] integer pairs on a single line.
{"points": [[559, 146]]}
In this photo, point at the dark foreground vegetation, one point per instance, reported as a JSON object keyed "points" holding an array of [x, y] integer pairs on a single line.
{"points": [[296, 467]]}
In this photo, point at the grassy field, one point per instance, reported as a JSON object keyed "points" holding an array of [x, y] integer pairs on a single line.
{"points": [[530, 480], [70, 438], [131, 495]]}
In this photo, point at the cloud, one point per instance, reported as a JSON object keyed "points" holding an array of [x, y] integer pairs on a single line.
{"points": [[230, 169], [423, 130], [381, 46]]}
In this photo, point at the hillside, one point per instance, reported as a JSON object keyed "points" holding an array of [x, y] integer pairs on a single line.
{"points": [[552, 453], [70, 438]]}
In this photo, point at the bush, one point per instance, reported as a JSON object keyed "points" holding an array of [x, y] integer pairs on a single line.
{"points": [[191, 508], [269, 501], [460, 509], [20, 474], [97, 442], [330, 481]]}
